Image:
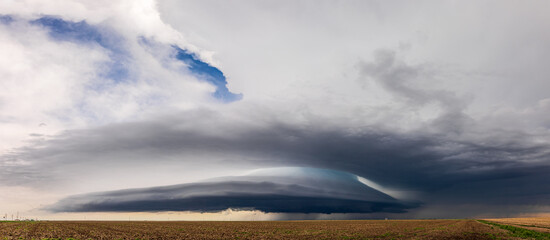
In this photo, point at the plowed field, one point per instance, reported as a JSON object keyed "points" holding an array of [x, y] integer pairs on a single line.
{"points": [[363, 229]]}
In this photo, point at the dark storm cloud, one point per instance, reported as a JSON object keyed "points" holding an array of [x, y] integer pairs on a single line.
{"points": [[308, 191], [451, 158], [264, 203], [408, 160]]}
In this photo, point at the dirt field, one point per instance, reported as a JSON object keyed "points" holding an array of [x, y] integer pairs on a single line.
{"points": [[368, 229], [537, 224]]}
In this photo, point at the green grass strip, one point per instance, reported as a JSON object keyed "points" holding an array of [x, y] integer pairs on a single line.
{"points": [[520, 232]]}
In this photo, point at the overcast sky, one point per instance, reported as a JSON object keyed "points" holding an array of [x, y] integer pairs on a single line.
{"points": [[274, 109]]}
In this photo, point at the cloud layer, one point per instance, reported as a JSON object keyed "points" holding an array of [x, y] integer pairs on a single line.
{"points": [[426, 167], [283, 190]]}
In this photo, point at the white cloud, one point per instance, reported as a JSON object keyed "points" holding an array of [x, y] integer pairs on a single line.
{"points": [[41, 79], [493, 53], [63, 83]]}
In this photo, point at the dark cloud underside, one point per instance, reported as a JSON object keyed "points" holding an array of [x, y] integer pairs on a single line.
{"points": [[265, 203], [317, 193]]}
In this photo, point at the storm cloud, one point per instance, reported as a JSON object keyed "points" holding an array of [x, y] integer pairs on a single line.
{"points": [[431, 167], [145, 106], [283, 190]]}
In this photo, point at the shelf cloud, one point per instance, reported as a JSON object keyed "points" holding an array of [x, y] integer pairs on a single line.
{"points": [[282, 190]]}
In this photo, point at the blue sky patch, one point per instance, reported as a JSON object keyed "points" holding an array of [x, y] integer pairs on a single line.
{"points": [[72, 31], [208, 73], [5, 19], [82, 32]]}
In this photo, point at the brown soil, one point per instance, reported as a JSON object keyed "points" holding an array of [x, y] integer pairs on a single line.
{"points": [[363, 229]]}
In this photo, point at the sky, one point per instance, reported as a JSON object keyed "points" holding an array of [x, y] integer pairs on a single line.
{"points": [[272, 110]]}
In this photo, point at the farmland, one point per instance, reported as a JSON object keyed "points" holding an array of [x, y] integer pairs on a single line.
{"points": [[356, 229], [537, 224]]}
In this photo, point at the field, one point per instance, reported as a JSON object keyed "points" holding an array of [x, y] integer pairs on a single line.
{"points": [[537, 224], [360, 229]]}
